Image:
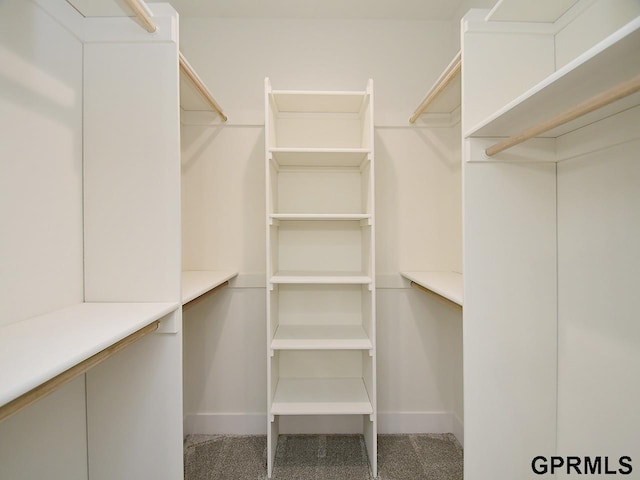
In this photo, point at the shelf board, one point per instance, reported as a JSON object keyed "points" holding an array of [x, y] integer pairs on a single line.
{"points": [[540, 11], [607, 64], [445, 284], [445, 95], [321, 337], [321, 396], [320, 216], [315, 277], [40, 348], [319, 157], [318, 101], [198, 282]]}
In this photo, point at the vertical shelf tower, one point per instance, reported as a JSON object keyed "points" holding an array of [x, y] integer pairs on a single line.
{"points": [[320, 258]]}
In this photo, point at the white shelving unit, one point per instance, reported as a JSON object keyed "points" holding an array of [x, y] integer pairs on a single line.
{"points": [[445, 284], [550, 233], [320, 258]]}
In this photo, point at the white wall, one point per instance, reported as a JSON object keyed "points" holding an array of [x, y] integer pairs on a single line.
{"points": [[234, 55], [41, 162], [41, 223], [598, 329], [417, 206], [592, 26]]}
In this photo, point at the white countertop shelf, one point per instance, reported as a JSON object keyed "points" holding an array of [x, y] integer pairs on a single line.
{"points": [[315, 277], [318, 101], [321, 337], [547, 11], [445, 284], [607, 64], [38, 349], [321, 396], [319, 157], [198, 282]]}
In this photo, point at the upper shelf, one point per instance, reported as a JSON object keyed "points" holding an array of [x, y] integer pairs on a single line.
{"points": [[609, 63], [194, 94], [198, 282], [445, 284], [546, 11], [36, 350], [444, 96]]}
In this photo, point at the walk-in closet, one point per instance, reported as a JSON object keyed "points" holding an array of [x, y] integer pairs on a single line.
{"points": [[252, 240]]}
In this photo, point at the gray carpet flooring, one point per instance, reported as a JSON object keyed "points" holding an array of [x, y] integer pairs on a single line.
{"points": [[323, 457]]}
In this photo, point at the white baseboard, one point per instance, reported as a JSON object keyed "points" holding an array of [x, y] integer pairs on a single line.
{"points": [[417, 422], [458, 429], [388, 422], [226, 424], [320, 424]]}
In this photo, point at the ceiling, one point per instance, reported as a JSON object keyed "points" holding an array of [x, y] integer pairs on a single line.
{"points": [[383, 9]]}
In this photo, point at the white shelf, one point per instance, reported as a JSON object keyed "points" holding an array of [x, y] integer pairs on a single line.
{"points": [[198, 282], [321, 337], [445, 284], [600, 68], [323, 157], [36, 350], [321, 396], [320, 216], [318, 101], [448, 97], [302, 277], [540, 11]]}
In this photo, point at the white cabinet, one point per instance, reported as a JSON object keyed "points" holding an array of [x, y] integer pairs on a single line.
{"points": [[549, 229], [320, 257]]}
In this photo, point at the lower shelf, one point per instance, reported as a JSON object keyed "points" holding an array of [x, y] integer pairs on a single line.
{"points": [[41, 348], [196, 283], [321, 337], [321, 396]]}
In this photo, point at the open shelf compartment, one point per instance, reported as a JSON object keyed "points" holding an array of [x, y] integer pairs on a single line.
{"points": [[321, 317], [319, 120], [321, 383], [607, 64], [322, 248], [324, 188]]}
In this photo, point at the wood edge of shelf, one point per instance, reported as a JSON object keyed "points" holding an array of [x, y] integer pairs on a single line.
{"points": [[226, 278], [201, 296], [450, 299], [19, 403]]}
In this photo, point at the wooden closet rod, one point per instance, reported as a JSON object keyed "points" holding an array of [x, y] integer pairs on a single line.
{"points": [[142, 12], [26, 399], [621, 90], [200, 86], [445, 79]]}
